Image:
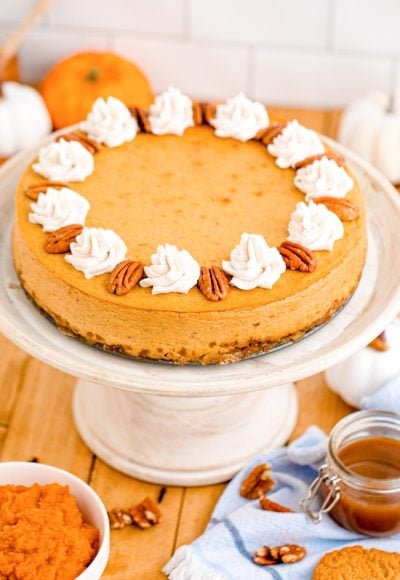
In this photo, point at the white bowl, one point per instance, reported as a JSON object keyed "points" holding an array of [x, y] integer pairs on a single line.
{"points": [[91, 506]]}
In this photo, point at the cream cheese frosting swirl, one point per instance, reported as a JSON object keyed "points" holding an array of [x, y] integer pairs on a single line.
{"points": [[58, 208], [294, 144], [64, 161], [110, 122], [171, 113], [314, 226], [253, 263], [240, 118], [323, 177], [171, 270], [96, 251]]}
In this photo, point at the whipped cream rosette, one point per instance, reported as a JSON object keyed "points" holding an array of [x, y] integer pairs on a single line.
{"points": [[171, 113], [110, 122], [240, 118], [171, 270], [323, 177], [314, 226], [57, 208], [254, 264], [294, 144], [96, 251], [64, 161]]}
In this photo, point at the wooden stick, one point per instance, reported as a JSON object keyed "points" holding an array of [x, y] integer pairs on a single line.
{"points": [[12, 44]]}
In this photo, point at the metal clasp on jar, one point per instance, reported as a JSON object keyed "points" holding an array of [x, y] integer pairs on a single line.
{"points": [[328, 478]]}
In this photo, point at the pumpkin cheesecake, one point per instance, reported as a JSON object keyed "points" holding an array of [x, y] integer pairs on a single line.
{"points": [[189, 233]]}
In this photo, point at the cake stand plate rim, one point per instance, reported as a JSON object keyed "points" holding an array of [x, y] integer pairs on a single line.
{"points": [[244, 376]]}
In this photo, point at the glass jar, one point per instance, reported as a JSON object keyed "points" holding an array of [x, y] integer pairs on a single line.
{"points": [[360, 481]]}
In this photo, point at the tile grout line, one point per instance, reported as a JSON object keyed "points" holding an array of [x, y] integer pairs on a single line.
{"points": [[186, 19], [331, 25], [212, 42]]}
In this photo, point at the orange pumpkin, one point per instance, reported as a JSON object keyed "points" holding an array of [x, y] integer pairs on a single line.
{"points": [[72, 85]]}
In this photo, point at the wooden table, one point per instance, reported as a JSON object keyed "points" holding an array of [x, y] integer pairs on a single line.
{"points": [[36, 422]]}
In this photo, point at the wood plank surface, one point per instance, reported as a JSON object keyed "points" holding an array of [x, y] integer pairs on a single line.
{"points": [[36, 421]]}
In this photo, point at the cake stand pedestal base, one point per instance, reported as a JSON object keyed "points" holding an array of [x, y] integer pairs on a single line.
{"points": [[182, 440]]}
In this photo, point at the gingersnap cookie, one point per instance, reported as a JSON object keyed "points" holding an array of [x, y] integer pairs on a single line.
{"points": [[358, 563]]}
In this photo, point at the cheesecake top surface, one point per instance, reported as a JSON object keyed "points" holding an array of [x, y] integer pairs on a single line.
{"points": [[198, 192]]}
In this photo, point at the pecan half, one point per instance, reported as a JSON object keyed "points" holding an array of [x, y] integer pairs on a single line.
{"points": [[197, 113], [272, 506], [263, 557], [145, 514], [288, 554], [292, 553], [380, 343], [143, 120], [271, 132], [297, 257], [59, 241], [32, 191], [90, 144], [258, 482], [119, 519], [213, 283], [124, 277], [208, 110], [340, 160], [345, 209]]}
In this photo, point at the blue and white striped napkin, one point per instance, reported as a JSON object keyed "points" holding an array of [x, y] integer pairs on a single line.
{"points": [[239, 526]]}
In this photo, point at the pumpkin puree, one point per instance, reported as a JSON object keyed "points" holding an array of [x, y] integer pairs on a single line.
{"points": [[42, 534]]}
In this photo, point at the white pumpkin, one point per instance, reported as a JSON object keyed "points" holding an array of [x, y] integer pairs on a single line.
{"points": [[24, 118], [367, 370], [370, 126]]}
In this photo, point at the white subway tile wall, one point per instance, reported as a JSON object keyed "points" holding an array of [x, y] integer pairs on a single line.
{"points": [[45, 47], [326, 78], [273, 23], [201, 70], [289, 52]]}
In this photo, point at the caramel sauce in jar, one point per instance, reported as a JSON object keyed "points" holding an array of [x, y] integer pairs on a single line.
{"points": [[369, 510], [360, 481]]}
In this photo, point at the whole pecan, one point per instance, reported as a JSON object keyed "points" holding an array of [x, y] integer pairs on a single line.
{"points": [[90, 144], [340, 160], [297, 257], [272, 506], [32, 191], [258, 482], [287, 554], [345, 209], [380, 343], [213, 283], [124, 277], [271, 132], [59, 241], [145, 514]]}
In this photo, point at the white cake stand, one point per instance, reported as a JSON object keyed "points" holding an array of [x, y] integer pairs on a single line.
{"points": [[198, 425]]}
